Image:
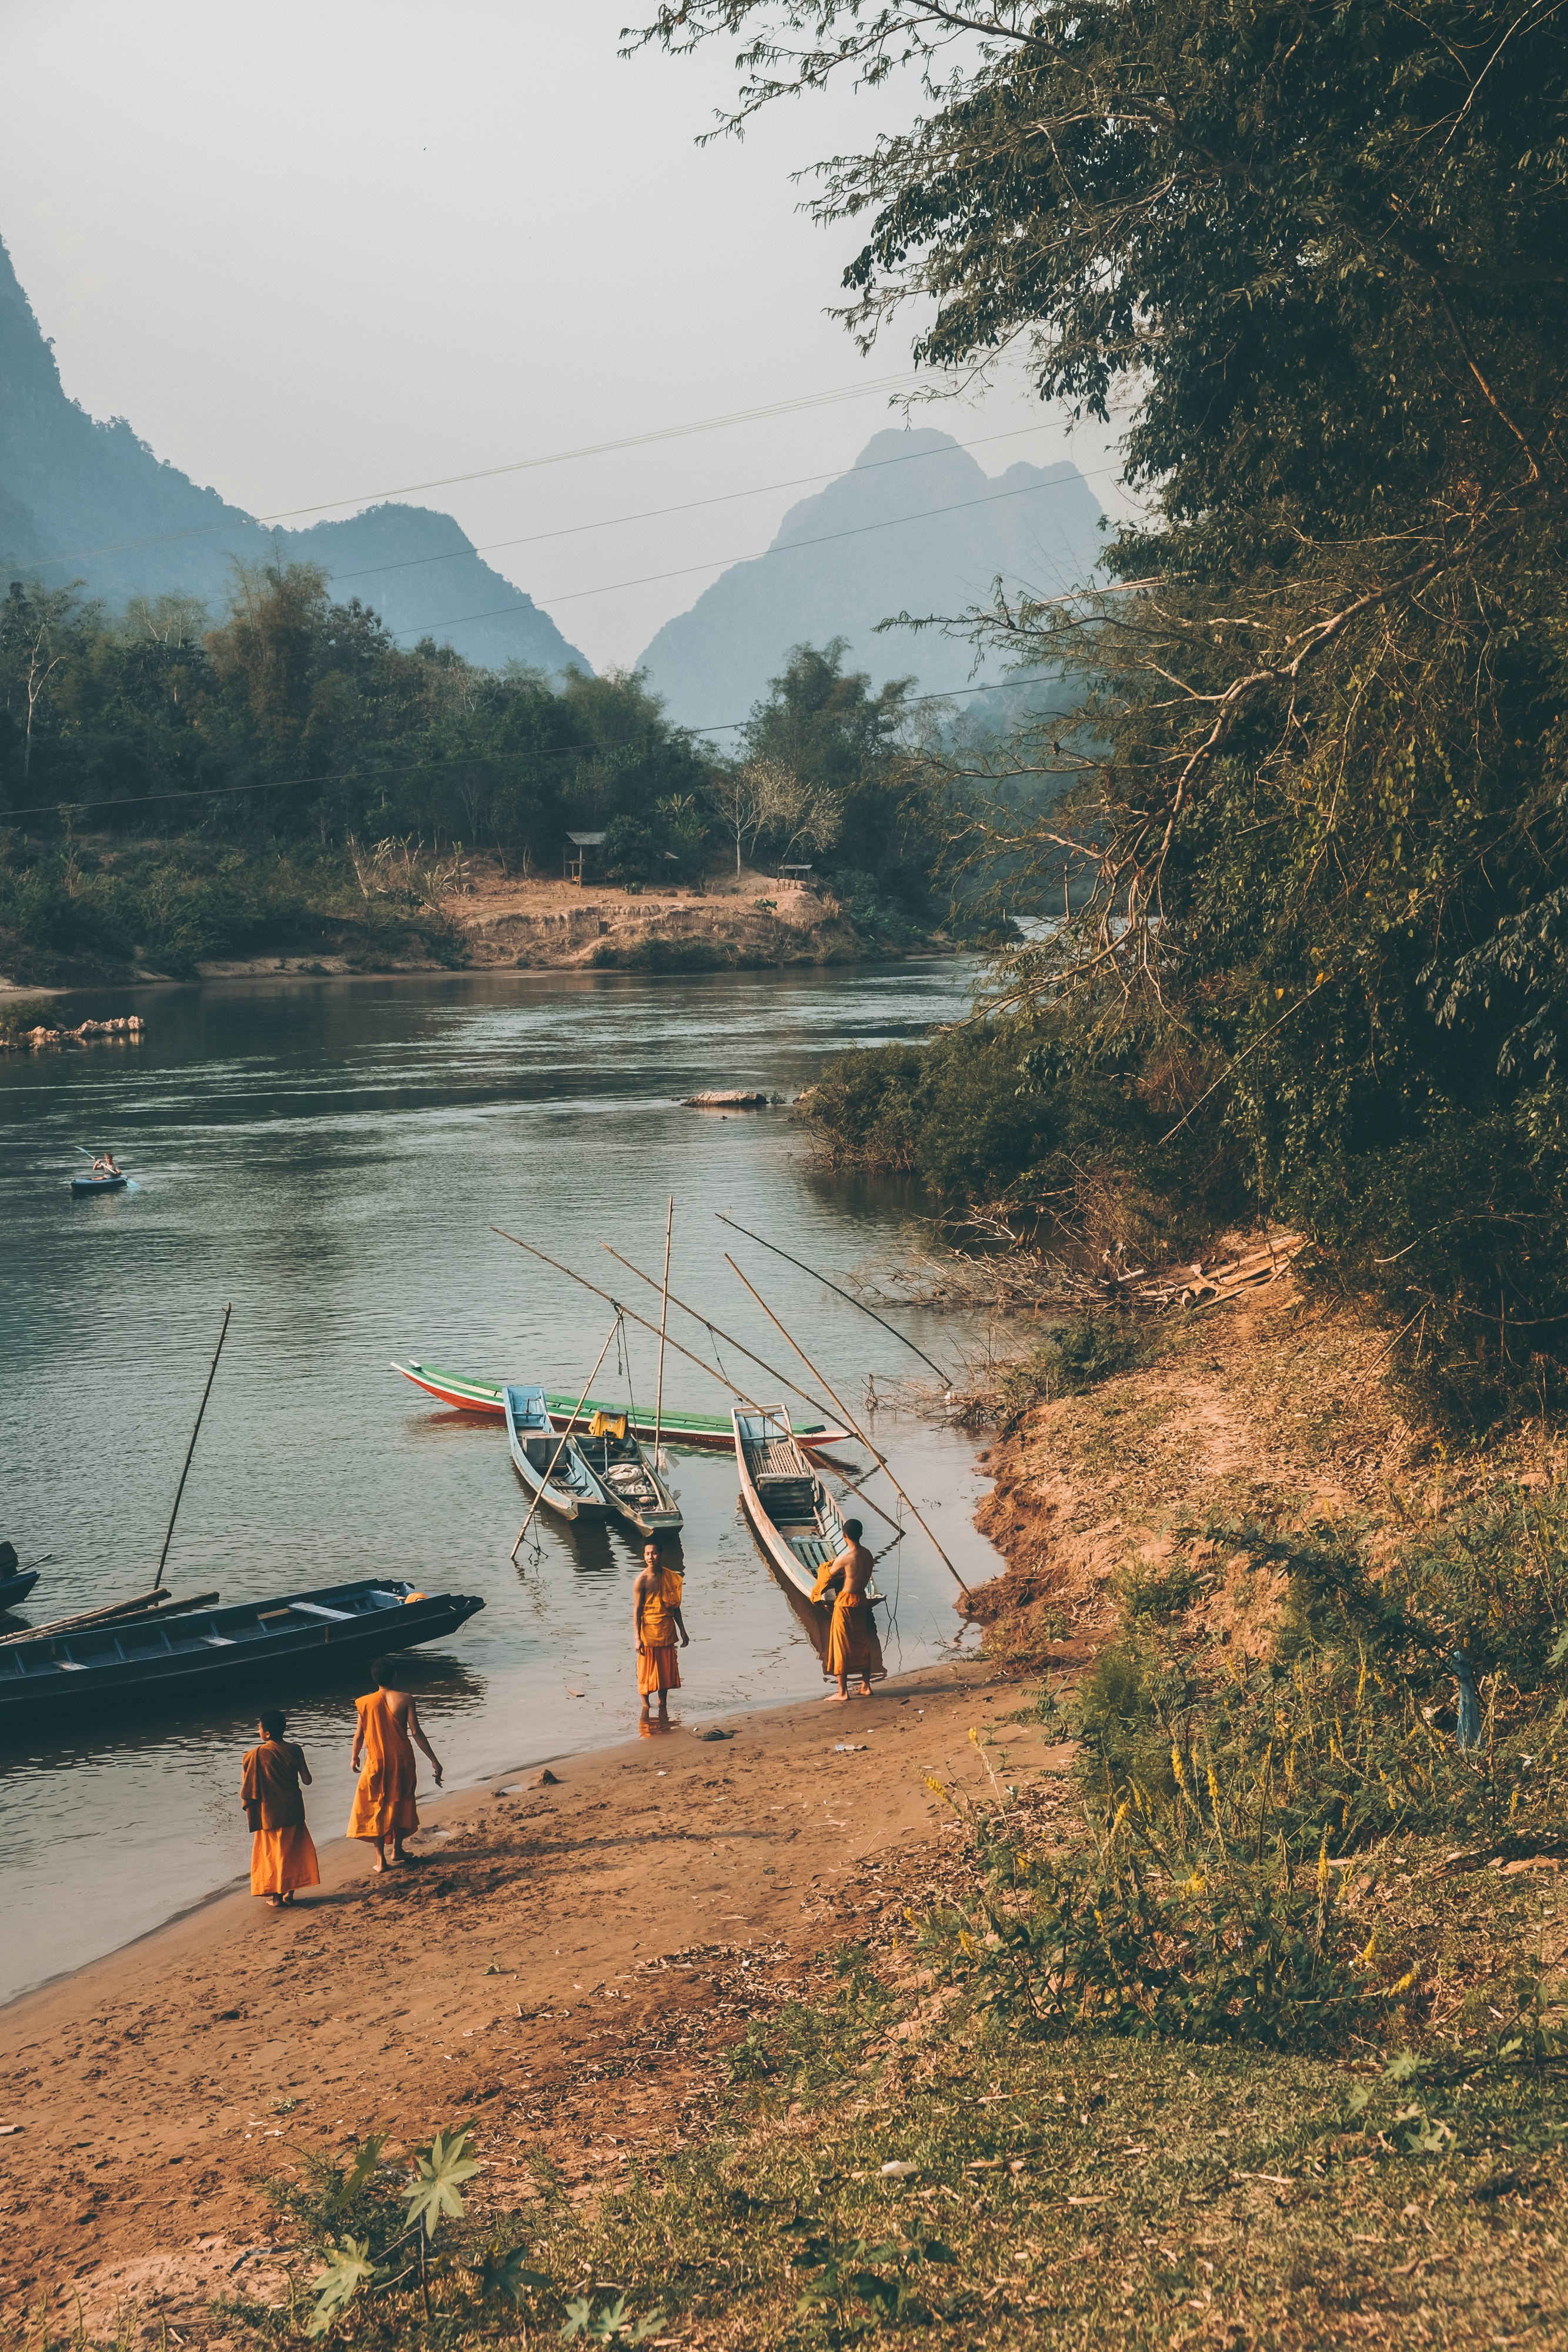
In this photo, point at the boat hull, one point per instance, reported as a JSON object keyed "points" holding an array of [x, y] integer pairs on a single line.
{"points": [[13, 1589], [81, 1185], [707, 1433], [797, 1576], [139, 1661], [559, 1478]]}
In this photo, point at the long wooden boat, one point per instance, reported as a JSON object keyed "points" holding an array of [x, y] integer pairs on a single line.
{"points": [[16, 1589], [550, 1466], [637, 1493], [138, 1658], [795, 1520], [710, 1432]]}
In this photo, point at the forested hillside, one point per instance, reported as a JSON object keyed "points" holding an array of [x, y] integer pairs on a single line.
{"points": [[171, 790]]}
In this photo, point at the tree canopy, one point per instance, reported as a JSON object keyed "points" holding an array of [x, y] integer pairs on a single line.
{"points": [[1315, 255]]}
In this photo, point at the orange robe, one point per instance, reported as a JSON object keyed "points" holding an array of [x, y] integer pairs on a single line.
{"points": [[658, 1660], [282, 1852], [384, 1801], [852, 1647]]}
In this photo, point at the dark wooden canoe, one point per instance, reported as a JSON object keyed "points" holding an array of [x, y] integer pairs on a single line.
{"points": [[138, 1658]]}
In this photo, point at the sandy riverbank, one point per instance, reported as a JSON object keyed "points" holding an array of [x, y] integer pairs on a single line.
{"points": [[562, 1961]]}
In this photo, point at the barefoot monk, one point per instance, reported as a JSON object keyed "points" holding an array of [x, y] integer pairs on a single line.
{"points": [[853, 1646], [658, 1622], [386, 1734], [282, 1853]]}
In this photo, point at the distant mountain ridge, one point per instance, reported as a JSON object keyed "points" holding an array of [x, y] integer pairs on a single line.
{"points": [[916, 525], [90, 500]]}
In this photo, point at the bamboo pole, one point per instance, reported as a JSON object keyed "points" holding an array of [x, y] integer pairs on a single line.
{"points": [[773, 1373], [722, 1378], [848, 1301], [565, 1435], [123, 1614], [663, 1321], [887, 1473], [190, 1450]]}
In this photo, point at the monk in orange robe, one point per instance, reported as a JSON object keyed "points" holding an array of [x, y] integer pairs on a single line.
{"points": [[282, 1853], [656, 1616], [386, 1734], [852, 1645]]}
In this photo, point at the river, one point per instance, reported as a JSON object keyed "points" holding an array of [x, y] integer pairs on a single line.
{"points": [[330, 1156]]}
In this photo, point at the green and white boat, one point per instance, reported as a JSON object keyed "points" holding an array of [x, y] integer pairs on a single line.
{"points": [[712, 1433]]}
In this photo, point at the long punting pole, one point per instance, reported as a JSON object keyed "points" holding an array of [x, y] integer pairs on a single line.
{"points": [[565, 1435], [190, 1450], [663, 1321], [722, 1378], [866, 1440], [771, 1369], [833, 1287]]}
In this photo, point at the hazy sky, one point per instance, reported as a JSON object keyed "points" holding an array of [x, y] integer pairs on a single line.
{"points": [[315, 252]]}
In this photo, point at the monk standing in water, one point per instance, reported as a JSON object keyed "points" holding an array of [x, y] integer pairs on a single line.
{"points": [[282, 1852], [385, 1737], [852, 1645], [656, 1614]]}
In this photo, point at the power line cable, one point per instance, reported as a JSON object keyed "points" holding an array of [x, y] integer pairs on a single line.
{"points": [[513, 466], [688, 506], [684, 571], [434, 767]]}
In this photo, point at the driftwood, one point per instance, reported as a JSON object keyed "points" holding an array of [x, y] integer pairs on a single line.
{"points": [[126, 1024], [734, 1101], [1017, 1277]]}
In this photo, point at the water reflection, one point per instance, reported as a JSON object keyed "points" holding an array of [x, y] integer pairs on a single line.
{"points": [[330, 1158]]}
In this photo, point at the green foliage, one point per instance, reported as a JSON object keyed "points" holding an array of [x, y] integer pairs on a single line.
{"points": [[373, 2228], [18, 1014], [296, 725], [1017, 1116], [434, 2196], [1091, 1349], [824, 727], [846, 2273], [611, 2324], [1313, 826]]}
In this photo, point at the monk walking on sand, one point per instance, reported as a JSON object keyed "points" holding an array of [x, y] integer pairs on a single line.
{"points": [[852, 1645], [656, 1614], [282, 1852], [385, 1737]]}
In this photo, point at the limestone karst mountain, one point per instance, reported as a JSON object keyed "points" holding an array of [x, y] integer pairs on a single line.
{"points": [[916, 525], [83, 499]]}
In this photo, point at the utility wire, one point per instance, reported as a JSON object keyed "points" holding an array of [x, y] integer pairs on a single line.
{"points": [[684, 571], [689, 505], [434, 767], [514, 466]]}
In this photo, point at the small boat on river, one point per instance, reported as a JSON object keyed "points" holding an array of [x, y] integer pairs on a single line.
{"points": [[136, 1658], [795, 1520], [13, 1589], [712, 1433], [637, 1493], [553, 1469], [81, 1185]]}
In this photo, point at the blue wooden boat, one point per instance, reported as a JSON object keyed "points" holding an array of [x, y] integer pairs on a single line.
{"points": [[136, 1658], [572, 1488], [84, 1184], [16, 1589]]}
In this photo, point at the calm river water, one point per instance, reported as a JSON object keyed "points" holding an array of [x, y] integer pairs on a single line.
{"points": [[330, 1156]]}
